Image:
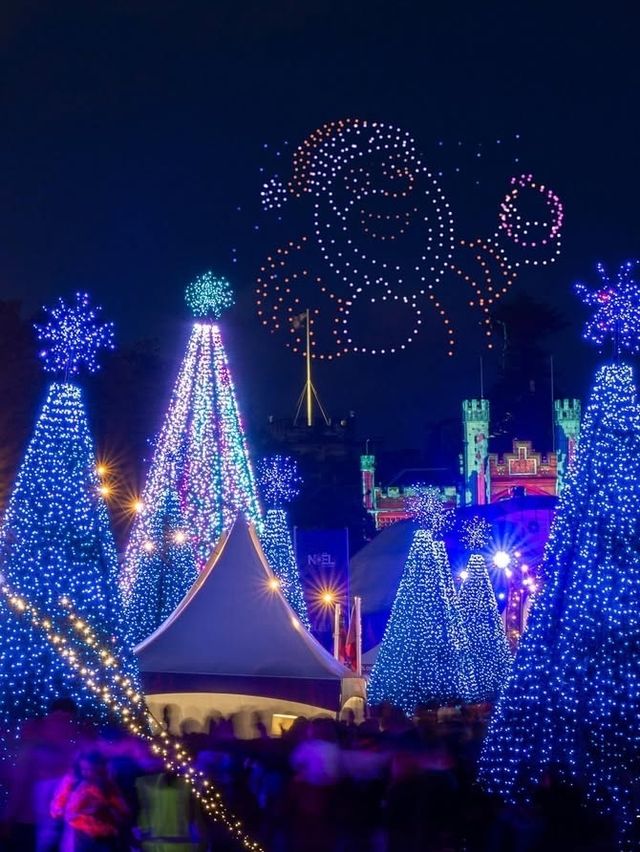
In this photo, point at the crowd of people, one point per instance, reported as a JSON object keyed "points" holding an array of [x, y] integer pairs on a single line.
{"points": [[385, 785]]}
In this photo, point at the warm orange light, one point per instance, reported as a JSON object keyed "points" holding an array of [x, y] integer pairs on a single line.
{"points": [[137, 506], [328, 598], [104, 490], [102, 469]]}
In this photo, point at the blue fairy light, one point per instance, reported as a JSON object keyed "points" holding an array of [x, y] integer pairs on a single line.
{"points": [[72, 337], [617, 308], [476, 533], [426, 507], [279, 479]]}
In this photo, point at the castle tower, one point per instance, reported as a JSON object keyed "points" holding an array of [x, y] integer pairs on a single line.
{"points": [[475, 421], [567, 426], [367, 472]]}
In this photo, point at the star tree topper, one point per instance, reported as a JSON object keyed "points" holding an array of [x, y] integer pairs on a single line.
{"points": [[279, 479], [73, 336], [617, 308], [209, 296], [476, 533], [426, 507]]}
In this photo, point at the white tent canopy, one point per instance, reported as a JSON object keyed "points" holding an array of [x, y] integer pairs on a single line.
{"points": [[235, 633]]}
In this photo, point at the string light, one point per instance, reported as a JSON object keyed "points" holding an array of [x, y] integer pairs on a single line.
{"points": [[201, 455], [280, 483], [573, 698], [94, 664], [424, 655], [165, 571], [209, 296], [73, 336], [384, 232], [55, 539], [617, 308], [488, 647]]}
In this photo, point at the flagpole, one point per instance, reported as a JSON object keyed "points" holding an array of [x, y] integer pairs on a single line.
{"points": [[336, 631], [309, 385]]}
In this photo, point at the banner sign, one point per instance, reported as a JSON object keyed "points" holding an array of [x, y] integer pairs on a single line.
{"points": [[323, 562]]}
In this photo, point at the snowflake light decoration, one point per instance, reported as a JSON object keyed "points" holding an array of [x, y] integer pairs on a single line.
{"points": [[426, 507], [617, 308], [279, 480], [208, 296], [476, 533], [72, 337]]}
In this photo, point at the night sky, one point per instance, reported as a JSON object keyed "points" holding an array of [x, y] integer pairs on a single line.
{"points": [[133, 134]]}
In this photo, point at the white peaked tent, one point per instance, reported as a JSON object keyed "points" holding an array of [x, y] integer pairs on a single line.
{"points": [[234, 643]]}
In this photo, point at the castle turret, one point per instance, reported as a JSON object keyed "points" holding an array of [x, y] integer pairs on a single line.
{"points": [[567, 413], [475, 420], [367, 472]]}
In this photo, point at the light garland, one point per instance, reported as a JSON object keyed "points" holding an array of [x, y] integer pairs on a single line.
{"points": [[617, 308], [573, 699], [280, 484], [165, 572], [73, 336], [201, 455], [424, 655], [488, 647], [81, 651], [277, 546], [384, 232], [55, 538]]}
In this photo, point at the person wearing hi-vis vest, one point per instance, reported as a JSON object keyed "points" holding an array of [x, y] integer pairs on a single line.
{"points": [[169, 819]]}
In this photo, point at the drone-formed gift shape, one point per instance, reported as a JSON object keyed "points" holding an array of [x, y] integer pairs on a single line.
{"points": [[617, 308], [72, 337]]}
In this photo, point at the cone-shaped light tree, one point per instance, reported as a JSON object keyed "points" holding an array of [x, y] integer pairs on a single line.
{"points": [[572, 701], [280, 484], [56, 541], [201, 452], [424, 655], [166, 570], [488, 645]]}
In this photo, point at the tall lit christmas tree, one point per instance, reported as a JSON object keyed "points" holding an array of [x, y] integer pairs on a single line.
{"points": [[488, 645], [572, 702], [166, 569], [280, 484], [56, 540], [201, 453], [424, 655]]}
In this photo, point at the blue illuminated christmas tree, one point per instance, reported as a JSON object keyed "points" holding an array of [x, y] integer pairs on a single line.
{"points": [[572, 702], [56, 539], [166, 570], [280, 483], [488, 645], [424, 654], [201, 453]]}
